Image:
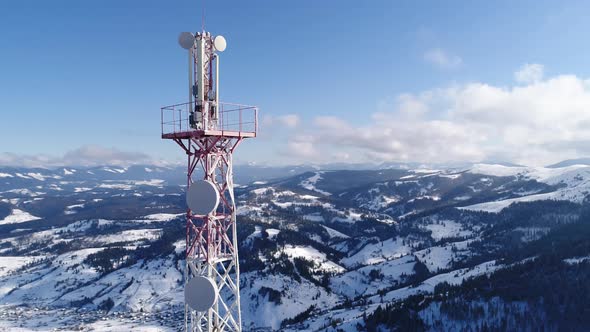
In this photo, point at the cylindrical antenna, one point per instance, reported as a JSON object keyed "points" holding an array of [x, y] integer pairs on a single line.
{"points": [[203, 16]]}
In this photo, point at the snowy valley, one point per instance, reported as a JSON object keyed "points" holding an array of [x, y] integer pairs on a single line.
{"points": [[101, 249]]}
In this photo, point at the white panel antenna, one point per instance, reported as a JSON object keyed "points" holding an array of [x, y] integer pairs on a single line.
{"points": [[219, 43], [202, 197], [186, 40], [200, 293]]}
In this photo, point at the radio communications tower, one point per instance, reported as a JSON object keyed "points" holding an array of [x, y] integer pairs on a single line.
{"points": [[209, 131]]}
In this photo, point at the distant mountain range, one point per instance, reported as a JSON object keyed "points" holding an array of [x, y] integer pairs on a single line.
{"points": [[571, 162], [474, 248]]}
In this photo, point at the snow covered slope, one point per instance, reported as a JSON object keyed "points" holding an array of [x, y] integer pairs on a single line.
{"points": [[572, 183], [318, 251]]}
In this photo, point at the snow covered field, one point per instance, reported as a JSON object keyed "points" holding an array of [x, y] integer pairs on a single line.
{"points": [[311, 183], [21, 319], [574, 181], [377, 253], [447, 228], [18, 216], [367, 245], [315, 256], [9, 264]]}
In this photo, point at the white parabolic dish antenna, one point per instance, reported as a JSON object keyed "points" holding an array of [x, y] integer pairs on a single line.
{"points": [[202, 197], [200, 293], [219, 43], [186, 40]]}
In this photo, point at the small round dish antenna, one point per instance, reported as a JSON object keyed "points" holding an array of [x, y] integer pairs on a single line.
{"points": [[219, 43], [202, 197], [186, 40], [200, 293]]}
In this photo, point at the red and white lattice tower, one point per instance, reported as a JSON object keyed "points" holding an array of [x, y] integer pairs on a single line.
{"points": [[209, 131]]}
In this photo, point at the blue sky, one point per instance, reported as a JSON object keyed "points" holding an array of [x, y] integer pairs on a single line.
{"points": [[95, 73]]}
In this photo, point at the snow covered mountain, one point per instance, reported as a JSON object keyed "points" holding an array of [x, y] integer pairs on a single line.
{"points": [[320, 250]]}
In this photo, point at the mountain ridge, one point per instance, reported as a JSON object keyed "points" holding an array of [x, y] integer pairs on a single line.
{"points": [[349, 242]]}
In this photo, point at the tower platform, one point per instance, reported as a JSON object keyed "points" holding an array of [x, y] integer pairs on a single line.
{"points": [[206, 133], [234, 120]]}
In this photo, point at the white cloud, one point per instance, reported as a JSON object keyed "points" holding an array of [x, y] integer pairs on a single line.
{"points": [[442, 59], [529, 73], [330, 123], [271, 122], [87, 155], [97, 155], [539, 123], [303, 147], [273, 129], [289, 120]]}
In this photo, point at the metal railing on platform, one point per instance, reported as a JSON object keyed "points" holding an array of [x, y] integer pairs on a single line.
{"points": [[231, 118]]}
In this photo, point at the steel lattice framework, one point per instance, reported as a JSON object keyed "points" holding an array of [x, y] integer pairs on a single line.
{"points": [[211, 240]]}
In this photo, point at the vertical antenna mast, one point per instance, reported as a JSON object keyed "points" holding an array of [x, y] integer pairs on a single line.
{"points": [[203, 16]]}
